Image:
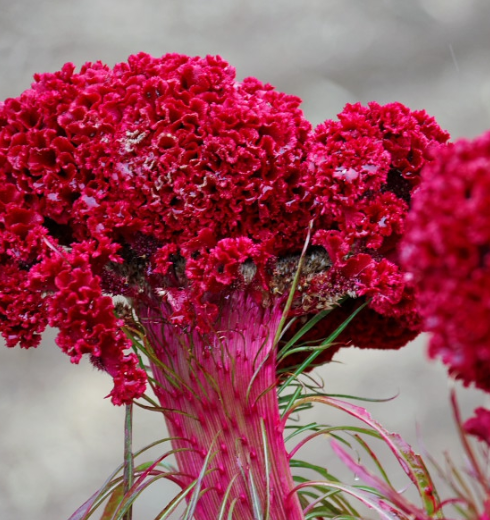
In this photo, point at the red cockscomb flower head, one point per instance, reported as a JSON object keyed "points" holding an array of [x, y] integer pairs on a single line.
{"points": [[168, 182], [447, 251]]}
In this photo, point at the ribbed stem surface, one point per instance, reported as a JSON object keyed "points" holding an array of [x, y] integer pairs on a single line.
{"points": [[220, 396]]}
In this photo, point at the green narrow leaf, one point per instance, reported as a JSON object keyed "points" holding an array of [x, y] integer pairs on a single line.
{"points": [[373, 457], [257, 371], [267, 470], [174, 503], [147, 477], [302, 331], [256, 505], [232, 508], [294, 285], [330, 432], [383, 509], [134, 493], [292, 400], [326, 343], [196, 494], [301, 429], [295, 463], [225, 498]]}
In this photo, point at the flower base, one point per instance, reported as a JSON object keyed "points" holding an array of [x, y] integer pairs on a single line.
{"points": [[218, 391]]}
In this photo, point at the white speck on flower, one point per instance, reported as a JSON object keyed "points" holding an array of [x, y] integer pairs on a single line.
{"points": [[124, 170], [348, 174], [90, 201], [370, 168]]}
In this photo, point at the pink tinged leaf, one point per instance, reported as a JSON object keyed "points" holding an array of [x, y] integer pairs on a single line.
{"points": [[115, 500], [411, 463], [82, 512], [85, 510], [370, 500], [373, 481], [374, 458]]}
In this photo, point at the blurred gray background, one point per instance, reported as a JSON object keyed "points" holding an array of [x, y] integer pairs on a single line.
{"points": [[59, 439]]}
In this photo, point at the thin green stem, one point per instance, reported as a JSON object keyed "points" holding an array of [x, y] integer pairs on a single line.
{"points": [[128, 456], [292, 292]]}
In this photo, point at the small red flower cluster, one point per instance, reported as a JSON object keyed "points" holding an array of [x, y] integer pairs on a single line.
{"points": [[362, 171], [479, 425], [447, 251], [365, 166], [166, 178]]}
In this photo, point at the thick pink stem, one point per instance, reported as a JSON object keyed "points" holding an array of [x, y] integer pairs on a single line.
{"points": [[219, 392]]}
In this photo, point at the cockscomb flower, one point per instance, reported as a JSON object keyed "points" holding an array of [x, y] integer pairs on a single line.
{"points": [[167, 182], [446, 250]]}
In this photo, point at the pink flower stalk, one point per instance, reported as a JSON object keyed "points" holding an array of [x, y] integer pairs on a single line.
{"points": [[167, 182], [446, 249]]}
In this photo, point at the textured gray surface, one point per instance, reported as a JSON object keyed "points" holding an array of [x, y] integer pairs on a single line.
{"points": [[58, 438]]}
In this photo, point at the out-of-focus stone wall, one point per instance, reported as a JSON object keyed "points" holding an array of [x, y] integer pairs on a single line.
{"points": [[59, 439]]}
